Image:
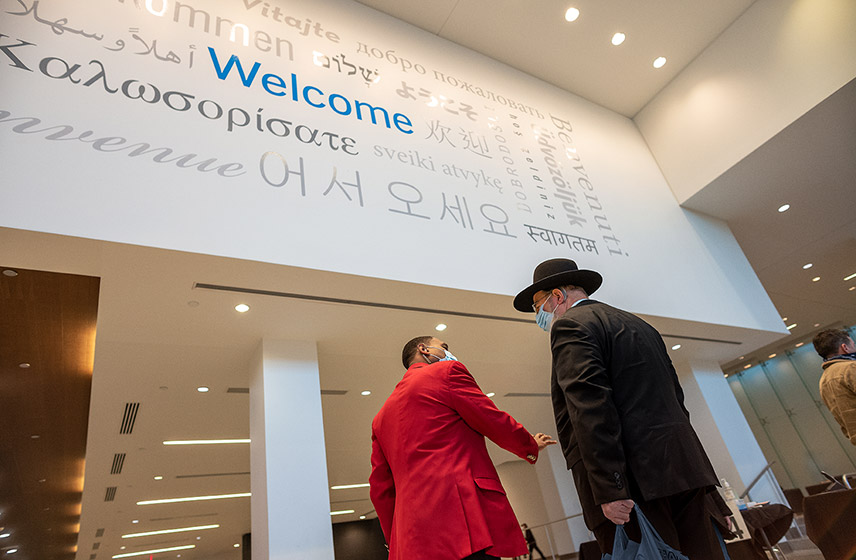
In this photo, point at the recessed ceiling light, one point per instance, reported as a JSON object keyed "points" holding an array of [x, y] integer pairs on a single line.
{"points": [[5, 535], [198, 538], [676, 346], [851, 277], [659, 62], [366, 393], [806, 266], [741, 357], [346, 486], [747, 366], [817, 324], [441, 327], [491, 394], [204, 441], [618, 38], [10, 272], [122, 547], [35, 436], [158, 477], [342, 512], [135, 521], [791, 326], [242, 308], [193, 499], [236, 545], [170, 531], [798, 344], [363, 517], [815, 279], [24, 365], [12, 551], [784, 207], [851, 288], [784, 318], [572, 14], [202, 389], [154, 551], [772, 355]]}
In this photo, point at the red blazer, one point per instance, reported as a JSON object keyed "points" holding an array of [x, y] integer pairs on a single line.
{"points": [[433, 485]]}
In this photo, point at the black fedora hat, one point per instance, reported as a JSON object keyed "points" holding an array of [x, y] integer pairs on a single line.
{"points": [[554, 273]]}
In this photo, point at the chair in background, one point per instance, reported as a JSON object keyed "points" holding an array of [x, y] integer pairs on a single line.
{"points": [[813, 489], [830, 523]]}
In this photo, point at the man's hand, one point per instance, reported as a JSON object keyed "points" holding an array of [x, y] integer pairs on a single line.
{"points": [[618, 511], [543, 440]]}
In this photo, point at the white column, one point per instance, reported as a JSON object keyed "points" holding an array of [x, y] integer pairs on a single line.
{"points": [[723, 429], [290, 503]]}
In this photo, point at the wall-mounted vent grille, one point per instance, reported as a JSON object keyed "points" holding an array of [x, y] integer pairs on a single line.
{"points": [[96, 546], [129, 418], [99, 533], [245, 390], [332, 392], [118, 462], [111, 494], [527, 394]]}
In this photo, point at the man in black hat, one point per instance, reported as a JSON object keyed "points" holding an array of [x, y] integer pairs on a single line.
{"points": [[620, 414]]}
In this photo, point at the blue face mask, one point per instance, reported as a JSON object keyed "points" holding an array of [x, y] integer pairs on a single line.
{"points": [[449, 357], [544, 318]]}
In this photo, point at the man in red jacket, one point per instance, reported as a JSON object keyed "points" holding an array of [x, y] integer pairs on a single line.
{"points": [[433, 485]]}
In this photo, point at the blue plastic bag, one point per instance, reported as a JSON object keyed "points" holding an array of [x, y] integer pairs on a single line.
{"points": [[651, 546]]}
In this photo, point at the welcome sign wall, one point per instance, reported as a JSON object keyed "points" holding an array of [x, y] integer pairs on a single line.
{"points": [[324, 135]]}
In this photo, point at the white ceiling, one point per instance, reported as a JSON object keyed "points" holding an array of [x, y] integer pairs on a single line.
{"points": [[579, 56], [149, 336]]}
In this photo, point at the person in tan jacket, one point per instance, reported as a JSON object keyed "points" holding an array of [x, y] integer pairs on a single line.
{"points": [[838, 382]]}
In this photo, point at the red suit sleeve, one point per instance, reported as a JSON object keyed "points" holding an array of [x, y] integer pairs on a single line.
{"points": [[479, 412], [382, 488]]}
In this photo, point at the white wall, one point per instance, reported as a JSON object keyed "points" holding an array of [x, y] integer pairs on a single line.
{"points": [[777, 61], [497, 164]]}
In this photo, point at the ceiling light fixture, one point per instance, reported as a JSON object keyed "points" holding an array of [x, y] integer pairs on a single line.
{"points": [[441, 327], [169, 531], [12, 551], [154, 551], [346, 486], [676, 347], [491, 394], [791, 326], [342, 512], [659, 62], [202, 389], [204, 441], [772, 355], [851, 277], [784, 208], [5, 535], [815, 279], [747, 366], [798, 344], [194, 499], [618, 38], [851, 288], [9, 272], [806, 266], [363, 517], [572, 14], [236, 545], [242, 308], [158, 477], [366, 393], [135, 521], [24, 365]]}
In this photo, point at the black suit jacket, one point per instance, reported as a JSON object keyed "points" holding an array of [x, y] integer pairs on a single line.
{"points": [[619, 407]]}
